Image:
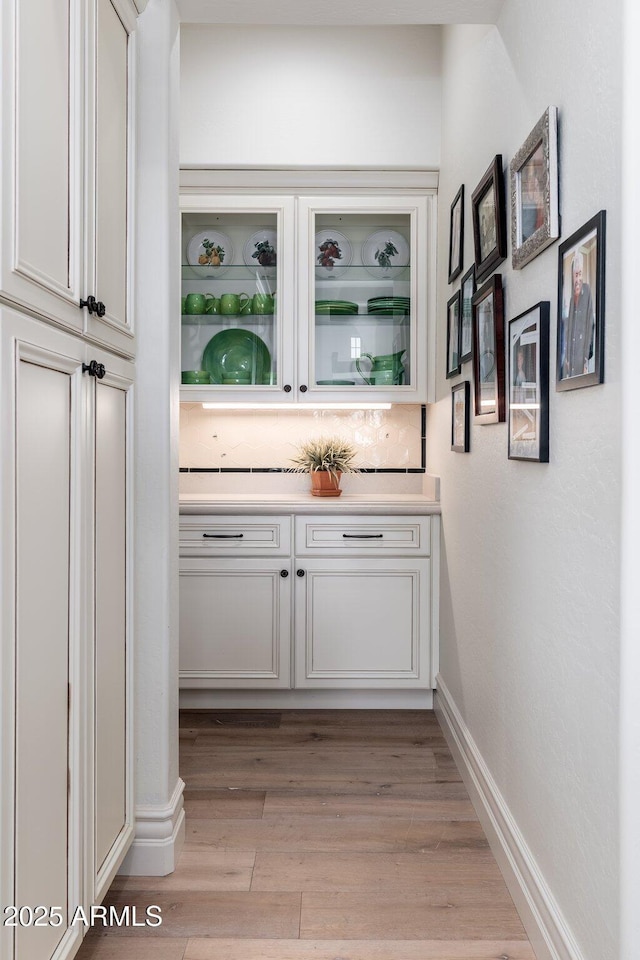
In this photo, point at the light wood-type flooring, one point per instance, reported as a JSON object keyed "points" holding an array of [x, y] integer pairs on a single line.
{"points": [[321, 835]]}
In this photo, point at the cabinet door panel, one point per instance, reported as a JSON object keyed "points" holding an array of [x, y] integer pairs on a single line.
{"points": [[111, 159], [110, 617], [234, 623], [41, 186], [363, 622], [44, 433]]}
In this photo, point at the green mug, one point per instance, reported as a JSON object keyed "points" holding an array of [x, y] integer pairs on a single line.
{"points": [[262, 304], [212, 305], [195, 303], [232, 303]]}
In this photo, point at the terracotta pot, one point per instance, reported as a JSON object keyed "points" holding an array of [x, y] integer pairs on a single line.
{"points": [[324, 484]]}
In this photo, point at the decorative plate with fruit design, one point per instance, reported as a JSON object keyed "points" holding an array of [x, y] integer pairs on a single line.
{"points": [[333, 254], [212, 250]]}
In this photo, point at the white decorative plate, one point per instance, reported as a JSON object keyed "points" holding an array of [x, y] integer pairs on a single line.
{"points": [[265, 257], [332, 254], [384, 252], [212, 250]]}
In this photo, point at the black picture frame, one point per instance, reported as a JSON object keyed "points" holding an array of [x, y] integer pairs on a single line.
{"points": [[453, 335], [580, 341], [489, 220], [460, 418], [456, 235], [488, 352], [467, 290], [528, 379], [535, 215]]}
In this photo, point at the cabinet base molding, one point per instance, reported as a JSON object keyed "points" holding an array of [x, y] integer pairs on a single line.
{"points": [[543, 920], [159, 838], [306, 699]]}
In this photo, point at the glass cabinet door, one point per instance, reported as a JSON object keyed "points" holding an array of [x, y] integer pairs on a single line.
{"points": [[364, 298], [234, 261]]}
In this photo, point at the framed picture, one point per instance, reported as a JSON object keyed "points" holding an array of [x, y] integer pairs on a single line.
{"points": [[489, 222], [453, 335], [488, 352], [456, 235], [467, 290], [535, 221], [528, 379], [580, 350], [460, 421]]}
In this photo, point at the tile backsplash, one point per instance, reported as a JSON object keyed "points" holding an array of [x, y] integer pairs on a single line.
{"points": [[386, 440]]}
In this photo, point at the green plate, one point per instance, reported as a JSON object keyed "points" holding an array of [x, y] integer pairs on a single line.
{"points": [[237, 353]]}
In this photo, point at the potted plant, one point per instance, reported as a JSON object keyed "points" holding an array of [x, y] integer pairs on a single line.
{"points": [[326, 459]]}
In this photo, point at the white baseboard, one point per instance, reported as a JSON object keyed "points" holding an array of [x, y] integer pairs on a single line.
{"points": [[547, 929], [306, 699], [159, 836]]}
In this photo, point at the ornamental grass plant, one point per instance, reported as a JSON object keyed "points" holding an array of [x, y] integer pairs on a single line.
{"points": [[325, 453]]}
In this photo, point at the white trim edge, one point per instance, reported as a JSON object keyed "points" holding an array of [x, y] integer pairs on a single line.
{"points": [[548, 931], [159, 836]]}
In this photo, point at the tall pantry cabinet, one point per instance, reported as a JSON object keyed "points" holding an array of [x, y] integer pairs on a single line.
{"points": [[66, 395]]}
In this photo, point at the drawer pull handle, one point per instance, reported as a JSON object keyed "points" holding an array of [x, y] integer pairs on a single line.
{"points": [[223, 536], [363, 536]]}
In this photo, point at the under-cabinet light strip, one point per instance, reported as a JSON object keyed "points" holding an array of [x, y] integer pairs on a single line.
{"points": [[284, 407]]}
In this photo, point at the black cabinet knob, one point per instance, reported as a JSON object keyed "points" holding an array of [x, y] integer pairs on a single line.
{"points": [[94, 369], [284, 574], [300, 573], [287, 388], [304, 388], [94, 306], [90, 303]]}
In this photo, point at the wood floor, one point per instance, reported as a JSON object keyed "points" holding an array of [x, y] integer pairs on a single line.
{"points": [[332, 835]]}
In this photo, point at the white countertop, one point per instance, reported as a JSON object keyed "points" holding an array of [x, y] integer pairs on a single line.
{"points": [[356, 504]]}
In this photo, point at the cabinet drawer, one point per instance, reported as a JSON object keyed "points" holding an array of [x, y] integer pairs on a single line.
{"points": [[354, 536], [220, 536]]}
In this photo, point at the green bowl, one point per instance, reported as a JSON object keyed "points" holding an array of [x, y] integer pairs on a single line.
{"points": [[196, 376]]}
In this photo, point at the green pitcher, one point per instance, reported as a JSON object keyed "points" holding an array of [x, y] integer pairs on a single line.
{"points": [[386, 369]]}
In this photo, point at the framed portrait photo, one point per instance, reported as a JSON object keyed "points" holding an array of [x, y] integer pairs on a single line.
{"points": [[467, 290], [460, 420], [456, 235], [528, 379], [488, 352], [580, 345], [535, 220], [489, 221], [453, 335]]}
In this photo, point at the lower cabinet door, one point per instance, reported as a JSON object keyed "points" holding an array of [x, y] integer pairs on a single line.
{"points": [[362, 623], [235, 628], [41, 722], [113, 801]]}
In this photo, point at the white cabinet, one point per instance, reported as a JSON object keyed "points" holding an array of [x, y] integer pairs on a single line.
{"points": [[66, 148], [66, 804], [363, 603], [235, 602], [235, 622], [307, 298], [362, 622]]}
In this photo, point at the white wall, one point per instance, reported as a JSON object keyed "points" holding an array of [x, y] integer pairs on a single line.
{"points": [[266, 95], [530, 574]]}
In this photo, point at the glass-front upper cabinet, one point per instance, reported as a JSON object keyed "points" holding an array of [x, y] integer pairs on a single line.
{"points": [[237, 297], [364, 282], [307, 299]]}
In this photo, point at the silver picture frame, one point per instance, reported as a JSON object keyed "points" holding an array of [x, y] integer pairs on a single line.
{"points": [[535, 215]]}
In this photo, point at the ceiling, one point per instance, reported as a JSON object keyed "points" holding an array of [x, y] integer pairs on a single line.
{"points": [[327, 13]]}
